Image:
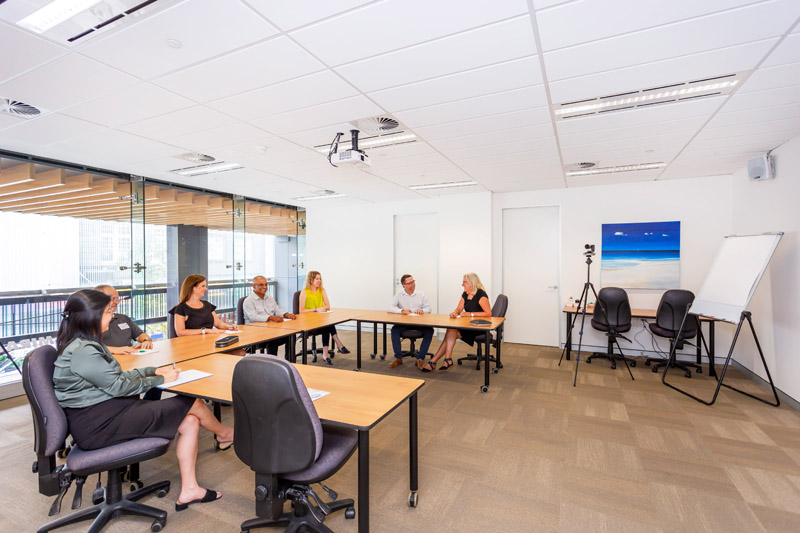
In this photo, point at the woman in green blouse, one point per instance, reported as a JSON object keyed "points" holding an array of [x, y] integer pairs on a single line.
{"points": [[101, 400]]}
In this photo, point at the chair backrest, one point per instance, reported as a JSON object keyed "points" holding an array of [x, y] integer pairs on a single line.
{"points": [[171, 333], [500, 306], [671, 310], [296, 303], [615, 302], [49, 421], [276, 427], [240, 311]]}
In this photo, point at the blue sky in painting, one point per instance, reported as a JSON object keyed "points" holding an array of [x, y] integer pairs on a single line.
{"points": [[644, 236]]}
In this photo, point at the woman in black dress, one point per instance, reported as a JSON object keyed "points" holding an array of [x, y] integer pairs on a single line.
{"points": [[475, 302], [101, 400]]}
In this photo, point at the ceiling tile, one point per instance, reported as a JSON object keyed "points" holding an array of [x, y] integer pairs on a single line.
{"points": [[178, 123], [786, 52], [537, 132], [29, 51], [757, 99], [140, 102], [412, 22], [718, 132], [529, 149], [620, 177], [772, 78], [762, 21], [593, 20], [6, 121], [109, 148], [226, 135], [688, 125], [770, 139], [47, 130], [307, 91], [78, 79], [256, 66], [479, 106], [348, 109], [658, 73], [503, 41], [290, 15], [494, 123], [761, 114], [495, 78], [141, 48]]}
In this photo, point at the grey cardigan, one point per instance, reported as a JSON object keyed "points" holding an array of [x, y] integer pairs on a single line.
{"points": [[87, 374]]}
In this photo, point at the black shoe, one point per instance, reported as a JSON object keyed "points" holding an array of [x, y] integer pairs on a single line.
{"points": [[344, 350]]}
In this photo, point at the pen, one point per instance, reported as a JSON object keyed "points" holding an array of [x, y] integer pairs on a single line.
{"points": [[173, 367]]}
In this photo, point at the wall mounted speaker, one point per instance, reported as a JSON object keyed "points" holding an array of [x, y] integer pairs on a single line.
{"points": [[760, 168]]}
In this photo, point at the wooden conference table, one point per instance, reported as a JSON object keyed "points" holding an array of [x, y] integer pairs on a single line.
{"points": [[356, 400], [430, 320], [651, 314]]}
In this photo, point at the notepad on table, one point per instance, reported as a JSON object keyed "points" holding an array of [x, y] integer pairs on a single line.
{"points": [[233, 331], [144, 351], [316, 394], [185, 377]]}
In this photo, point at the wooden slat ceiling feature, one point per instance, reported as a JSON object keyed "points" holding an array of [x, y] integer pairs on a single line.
{"points": [[48, 191]]}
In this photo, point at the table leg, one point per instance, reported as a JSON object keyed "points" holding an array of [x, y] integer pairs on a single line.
{"points": [[217, 410], [305, 347], [569, 334], [384, 341], [486, 365], [363, 481], [374, 353], [498, 364], [712, 369], [292, 356], [358, 345], [413, 450]]}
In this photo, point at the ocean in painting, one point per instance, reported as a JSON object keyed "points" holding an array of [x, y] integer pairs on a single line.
{"points": [[641, 255]]}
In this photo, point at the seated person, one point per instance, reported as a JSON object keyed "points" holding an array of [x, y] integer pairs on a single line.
{"points": [[122, 331], [193, 316], [313, 298], [261, 307], [100, 400], [474, 301], [410, 300]]}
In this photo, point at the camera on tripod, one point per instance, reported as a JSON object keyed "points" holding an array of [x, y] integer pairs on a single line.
{"points": [[589, 250]]}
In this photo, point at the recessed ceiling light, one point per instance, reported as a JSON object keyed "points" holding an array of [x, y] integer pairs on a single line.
{"points": [[446, 185], [174, 43], [319, 197], [221, 166], [676, 92], [54, 14], [612, 170], [400, 137]]}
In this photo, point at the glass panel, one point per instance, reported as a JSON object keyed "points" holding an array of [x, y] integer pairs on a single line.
{"points": [[138, 308], [239, 253], [301, 249]]}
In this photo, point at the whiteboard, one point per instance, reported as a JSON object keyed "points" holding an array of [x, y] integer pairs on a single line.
{"points": [[734, 275]]}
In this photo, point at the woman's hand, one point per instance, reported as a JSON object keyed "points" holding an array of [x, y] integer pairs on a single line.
{"points": [[121, 350], [145, 345], [454, 314], [169, 373]]}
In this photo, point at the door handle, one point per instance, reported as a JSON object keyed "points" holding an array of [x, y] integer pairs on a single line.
{"points": [[552, 286]]}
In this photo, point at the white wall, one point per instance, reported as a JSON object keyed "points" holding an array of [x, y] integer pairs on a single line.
{"points": [[765, 206]]}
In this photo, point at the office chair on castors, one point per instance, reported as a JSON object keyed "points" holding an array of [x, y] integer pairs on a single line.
{"points": [[612, 305], [413, 335], [278, 434], [671, 310], [499, 309]]}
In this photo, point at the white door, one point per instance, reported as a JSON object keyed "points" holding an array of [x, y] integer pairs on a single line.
{"points": [[531, 257], [416, 252]]}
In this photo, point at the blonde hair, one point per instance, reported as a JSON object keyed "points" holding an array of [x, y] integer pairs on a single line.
{"points": [[191, 281], [310, 279], [475, 281]]}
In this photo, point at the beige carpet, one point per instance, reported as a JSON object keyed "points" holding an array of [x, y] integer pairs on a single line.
{"points": [[532, 454]]}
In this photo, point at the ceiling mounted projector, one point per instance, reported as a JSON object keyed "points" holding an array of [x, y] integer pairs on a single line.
{"points": [[354, 156]]}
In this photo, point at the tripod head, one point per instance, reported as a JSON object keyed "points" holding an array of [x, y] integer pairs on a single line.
{"points": [[588, 253]]}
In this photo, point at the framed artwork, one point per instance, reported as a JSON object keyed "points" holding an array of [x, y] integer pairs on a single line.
{"points": [[642, 255]]}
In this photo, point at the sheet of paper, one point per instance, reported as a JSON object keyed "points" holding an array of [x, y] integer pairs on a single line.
{"points": [[233, 331], [143, 351], [412, 314], [185, 377], [328, 311], [316, 394]]}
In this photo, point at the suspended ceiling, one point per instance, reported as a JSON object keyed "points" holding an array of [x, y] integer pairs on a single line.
{"points": [[260, 82]]}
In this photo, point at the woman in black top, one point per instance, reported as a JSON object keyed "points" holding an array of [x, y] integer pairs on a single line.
{"points": [[194, 316], [474, 301]]}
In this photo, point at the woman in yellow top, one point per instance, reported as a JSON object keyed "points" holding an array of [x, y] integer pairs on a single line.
{"points": [[314, 299]]}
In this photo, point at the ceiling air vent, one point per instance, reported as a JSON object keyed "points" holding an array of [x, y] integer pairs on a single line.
{"points": [[15, 108], [195, 157], [377, 124]]}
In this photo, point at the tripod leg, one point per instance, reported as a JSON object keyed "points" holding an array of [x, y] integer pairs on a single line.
{"points": [[570, 327]]}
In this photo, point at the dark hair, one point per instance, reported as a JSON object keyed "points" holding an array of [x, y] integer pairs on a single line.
{"points": [[404, 278], [191, 281], [83, 315]]}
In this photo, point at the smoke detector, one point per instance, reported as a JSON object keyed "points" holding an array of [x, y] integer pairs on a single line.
{"points": [[15, 108]]}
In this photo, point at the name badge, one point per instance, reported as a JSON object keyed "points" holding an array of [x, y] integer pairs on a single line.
{"points": [[123, 325]]}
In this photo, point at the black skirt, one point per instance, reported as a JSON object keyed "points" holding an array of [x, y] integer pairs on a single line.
{"points": [[468, 336], [122, 419]]}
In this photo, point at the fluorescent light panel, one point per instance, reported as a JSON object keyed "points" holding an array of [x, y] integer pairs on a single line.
{"points": [[319, 197], [613, 170], [221, 166], [446, 185], [394, 138], [54, 14]]}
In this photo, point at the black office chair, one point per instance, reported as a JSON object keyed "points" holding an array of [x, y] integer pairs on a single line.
{"points": [[331, 349], [172, 334], [412, 335], [670, 313], [278, 434], [499, 309], [612, 302], [50, 432], [240, 311]]}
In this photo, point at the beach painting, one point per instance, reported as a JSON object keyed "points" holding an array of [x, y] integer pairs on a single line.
{"points": [[645, 255]]}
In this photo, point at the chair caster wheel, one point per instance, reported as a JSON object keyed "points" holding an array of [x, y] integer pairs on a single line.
{"points": [[495, 371], [413, 499], [383, 357], [484, 388], [157, 526], [35, 467], [372, 356], [350, 513], [478, 367], [588, 361], [633, 364], [314, 358], [499, 365], [459, 362], [613, 367], [647, 363], [688, 374], [655, 370], [162, 493], [699, 370]]}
